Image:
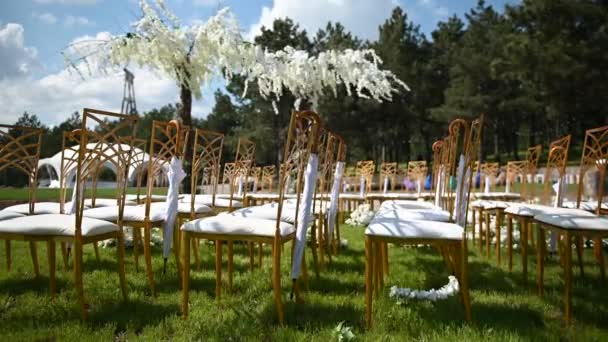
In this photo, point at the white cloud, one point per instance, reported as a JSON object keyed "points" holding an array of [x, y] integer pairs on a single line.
{"points": [[17, 59], [438, 11], [46, 18], [56, 95], [70, 21], [67, 2], [362, 17]]}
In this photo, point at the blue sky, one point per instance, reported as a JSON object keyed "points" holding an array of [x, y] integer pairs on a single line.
{"points": [[33, 32]]}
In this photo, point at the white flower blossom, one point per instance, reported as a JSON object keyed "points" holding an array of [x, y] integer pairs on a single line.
{"points": [[448, 290], [195, 55]]}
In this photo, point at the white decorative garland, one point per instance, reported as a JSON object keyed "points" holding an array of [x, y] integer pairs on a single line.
{"points": [[362, 216], [448, 290]]}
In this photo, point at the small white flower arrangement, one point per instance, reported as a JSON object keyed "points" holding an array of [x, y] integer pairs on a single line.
{"points": [[448, 290], [362, 216]]}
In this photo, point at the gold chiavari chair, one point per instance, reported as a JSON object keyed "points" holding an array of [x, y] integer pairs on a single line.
{"points": [[256, 173], [20, 150], [333, 216], [577, 224], [302, 140], [388, 173], [366, 170], [450, 238], [417, 171], [524, 213], [108, 142]]}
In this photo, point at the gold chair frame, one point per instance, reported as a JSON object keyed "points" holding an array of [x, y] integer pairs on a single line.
{"points": [[594, 154], [389, 170], [454, 251], [302, 139]]}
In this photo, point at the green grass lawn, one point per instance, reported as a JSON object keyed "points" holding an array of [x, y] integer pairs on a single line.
{"points": [[503, 308]]}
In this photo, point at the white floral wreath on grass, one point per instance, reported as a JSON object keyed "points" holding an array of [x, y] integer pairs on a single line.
{"points": [[362, 216], [448, 290]]}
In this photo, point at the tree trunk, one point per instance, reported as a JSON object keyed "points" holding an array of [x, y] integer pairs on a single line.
{"points": [[185, 115]]}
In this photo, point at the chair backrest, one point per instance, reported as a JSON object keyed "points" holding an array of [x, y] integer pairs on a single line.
{"points": [[168, 139], [534, 153], [328, 145], [366, 169], [437, 148], [556, 162], [206, 156], [594, 157], [489, 172], [255, 174], [268, 174], [228, 173], [302, 141], [458, 139], [417, 170], [20, 150], [471, 153], [111, 141], [517, 168], [243, 161], [388, 170]]}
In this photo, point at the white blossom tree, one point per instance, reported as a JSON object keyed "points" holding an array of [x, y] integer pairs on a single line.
{"points": [[194, 55]]}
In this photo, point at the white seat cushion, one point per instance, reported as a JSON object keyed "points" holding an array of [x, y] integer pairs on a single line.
{"points": [[184, 208], [574, 220], [396, 195], [585, 205], [495, 195], [414, 229], [269, 212], [531, 210], [233, 224], [134, 213], [55, 224], [487, 204], [220, 202], [352, 196], [105, 202], [414, 214], [40, 208], [405, 204], [7, 215]]}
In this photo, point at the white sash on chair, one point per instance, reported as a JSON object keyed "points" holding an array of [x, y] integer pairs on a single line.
{"points": [[335, 192], [175, 175]]}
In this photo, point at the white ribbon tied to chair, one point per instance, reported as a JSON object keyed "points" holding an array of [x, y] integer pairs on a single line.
{"points": [[419, 187], [439, 187], [507, 185], [559, 189], [362, 187], [176, 175], [462, 189], [240, 186], [303, 218], [385, 188], [334, 199], [486, 188]]}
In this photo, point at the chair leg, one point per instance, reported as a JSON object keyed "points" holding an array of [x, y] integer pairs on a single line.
{"points": [[65, 256], [320, 242], [251, 257], [177, 247], [34, 254], [148, 259], [218, 269], [78, 282], [313, 245], [540, 259], [276, 280], [339, 240], [120, 250], [96, 249], [136, 241], [51, 256], [185, 273], [195, 250], [510, 243], [600, 258], [369, 266], [260, 254], [464, 278], [7, 250], [579, 254], [487, 218], [473, 226], [568, 277], [481, 231], [524, 227], [498, 237], [385, 260], [230, 264]]}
